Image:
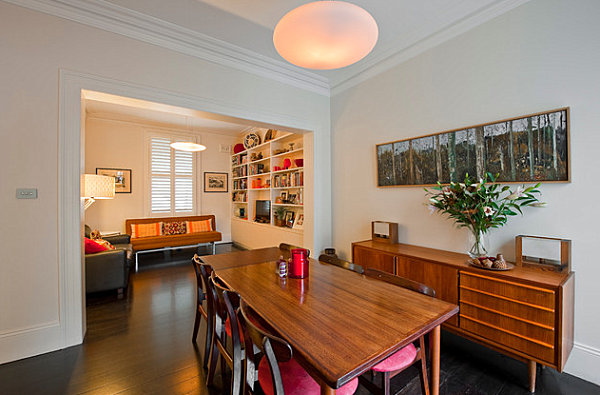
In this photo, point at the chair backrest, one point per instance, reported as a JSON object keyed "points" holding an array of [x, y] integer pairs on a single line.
{"points": [[226, 304], [201, 287], [274, 349], [400, 281], [333, 260], [288, 247]]}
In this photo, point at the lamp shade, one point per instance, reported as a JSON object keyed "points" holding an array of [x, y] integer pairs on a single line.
{"points": [[98, 187], [325, 35]]}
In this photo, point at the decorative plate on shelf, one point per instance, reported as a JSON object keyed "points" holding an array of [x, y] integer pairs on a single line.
{"points": [[251, 140]]}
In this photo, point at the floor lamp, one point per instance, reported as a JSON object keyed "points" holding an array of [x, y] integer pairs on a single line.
{"points": [[97, 187]]}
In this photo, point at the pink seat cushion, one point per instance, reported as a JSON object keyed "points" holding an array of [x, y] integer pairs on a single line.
{"points": [[296, 380], [398, 360]]}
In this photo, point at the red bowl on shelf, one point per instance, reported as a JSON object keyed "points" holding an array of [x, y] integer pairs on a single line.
{"points": [[287, 163], [299, 162], [238, 148]]}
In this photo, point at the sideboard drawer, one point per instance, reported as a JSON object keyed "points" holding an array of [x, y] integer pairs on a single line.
{"points": [[526, 328], [535, 296], [508, 338], [526, 311]]}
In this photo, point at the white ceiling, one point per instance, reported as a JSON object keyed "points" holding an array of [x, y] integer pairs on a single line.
{"points": [[104, 106], [250, 23]]}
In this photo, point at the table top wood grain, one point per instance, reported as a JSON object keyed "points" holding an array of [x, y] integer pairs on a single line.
{"points": [[338, 322]]}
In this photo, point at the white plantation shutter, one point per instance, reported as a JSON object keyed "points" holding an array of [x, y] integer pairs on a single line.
{"points": [[172, 181]]}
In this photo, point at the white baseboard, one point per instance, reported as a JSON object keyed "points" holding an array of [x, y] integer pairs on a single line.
{"points": [[584, 363], [30, 341]]}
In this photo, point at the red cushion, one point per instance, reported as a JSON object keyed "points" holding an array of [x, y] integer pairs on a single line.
{"points": [[296, 380], [228, 330], [91, 247], [398, 360]]}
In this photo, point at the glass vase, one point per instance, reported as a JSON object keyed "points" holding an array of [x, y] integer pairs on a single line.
{"points": [[479, 248]]}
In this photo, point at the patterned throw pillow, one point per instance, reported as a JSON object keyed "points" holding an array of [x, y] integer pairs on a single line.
{"points": [[174, 228], [199, 226], [146, 230]]}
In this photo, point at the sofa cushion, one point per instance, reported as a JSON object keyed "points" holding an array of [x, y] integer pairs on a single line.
{"points": [[174, 228], [199, 226], [91, 247], [146, 230]]}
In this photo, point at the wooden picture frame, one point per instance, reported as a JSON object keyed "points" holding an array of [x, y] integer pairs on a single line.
{"points": [[526, 149], [216, 182], [299, 222], [122, 178], [288, 218]]}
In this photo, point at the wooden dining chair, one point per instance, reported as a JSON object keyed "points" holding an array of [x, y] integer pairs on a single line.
{"points": [[409, 354], [289, 247], [333, 260], [225, 326], [277, 371], [203, 305]]}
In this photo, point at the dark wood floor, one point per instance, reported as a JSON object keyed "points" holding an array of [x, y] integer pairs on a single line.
{"points": [[141, 344]]}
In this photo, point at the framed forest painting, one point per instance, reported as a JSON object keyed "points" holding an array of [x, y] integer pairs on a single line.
{"points": [[531, 148]]}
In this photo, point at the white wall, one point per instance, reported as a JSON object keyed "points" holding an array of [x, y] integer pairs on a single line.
{"points": [[118, 144], [35, 47], [540, 56]]}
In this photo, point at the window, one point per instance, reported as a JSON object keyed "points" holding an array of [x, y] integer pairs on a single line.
{"points": [[171, 177]]}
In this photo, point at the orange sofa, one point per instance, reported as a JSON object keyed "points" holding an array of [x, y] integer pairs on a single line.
{"points": [[139, 244]]}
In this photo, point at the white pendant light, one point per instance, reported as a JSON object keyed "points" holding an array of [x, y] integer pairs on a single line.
{"points": [[325, 35], [188, 146]]}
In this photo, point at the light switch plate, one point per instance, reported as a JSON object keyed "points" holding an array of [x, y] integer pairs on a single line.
{"points": [[224, 148], [27, 193]]}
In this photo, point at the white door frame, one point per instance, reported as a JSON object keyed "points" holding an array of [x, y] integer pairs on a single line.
{"points": [[71, 166]]}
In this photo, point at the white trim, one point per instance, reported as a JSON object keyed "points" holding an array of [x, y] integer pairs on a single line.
{"points": [[71, 277], [30, 328], [584, 362], [386, 60], [120, 20], [32, 340]]}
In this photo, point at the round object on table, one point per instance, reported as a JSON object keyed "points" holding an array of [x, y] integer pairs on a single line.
{"points": [[287, 163], [299, 162], [251, 140], [239, 147]]}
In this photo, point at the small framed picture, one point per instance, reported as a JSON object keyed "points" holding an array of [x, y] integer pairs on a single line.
{"points": [[299, 222], [284, 196], [122, 178], [216, 182], [288, 218], [292, 198]]}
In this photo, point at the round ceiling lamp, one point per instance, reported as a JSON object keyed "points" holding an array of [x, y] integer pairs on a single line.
{"points": [[188, 146], [325, 35]]}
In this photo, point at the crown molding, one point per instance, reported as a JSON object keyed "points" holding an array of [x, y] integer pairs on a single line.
{"points": [[120, 20], [386, 60]]}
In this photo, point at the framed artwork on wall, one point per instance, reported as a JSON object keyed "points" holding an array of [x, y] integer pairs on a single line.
{"points": [[216, 182], [122, 178], [530, 148]]}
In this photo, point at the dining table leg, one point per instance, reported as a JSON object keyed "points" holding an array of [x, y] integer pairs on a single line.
{"points": [[327, 390], [435, 360]]}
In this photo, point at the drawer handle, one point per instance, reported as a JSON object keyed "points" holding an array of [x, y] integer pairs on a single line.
{"points": [[505, 298]]}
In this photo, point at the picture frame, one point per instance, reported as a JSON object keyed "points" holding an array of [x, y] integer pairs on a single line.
{"points": [[216, 182], [122, 178], [288, 218], [528, 148], [299, 222], [284, 196]]}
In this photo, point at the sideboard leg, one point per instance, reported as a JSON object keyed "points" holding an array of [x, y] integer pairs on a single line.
{"points": [[532, 372]]}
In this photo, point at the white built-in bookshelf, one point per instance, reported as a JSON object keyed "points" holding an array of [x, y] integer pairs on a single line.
{"points": [[273, 171]]}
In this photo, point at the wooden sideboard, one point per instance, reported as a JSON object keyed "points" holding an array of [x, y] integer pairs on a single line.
{"points": [[526, 313]]}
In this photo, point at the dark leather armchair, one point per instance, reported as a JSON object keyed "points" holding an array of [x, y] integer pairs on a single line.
{"points": [[109, 270]]}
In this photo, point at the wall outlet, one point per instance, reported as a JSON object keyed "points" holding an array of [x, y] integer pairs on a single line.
{"points": [[226, 149]]}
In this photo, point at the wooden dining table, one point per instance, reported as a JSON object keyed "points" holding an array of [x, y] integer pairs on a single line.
{"points": [[338, 322]]}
